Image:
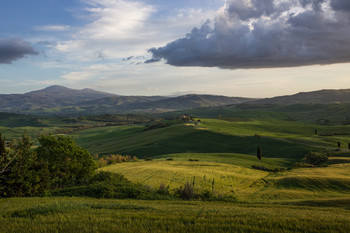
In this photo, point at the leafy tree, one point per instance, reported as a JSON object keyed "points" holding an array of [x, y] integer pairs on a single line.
{"points": [[4, 160], [25, 174], [68, 163], [259, 154]]}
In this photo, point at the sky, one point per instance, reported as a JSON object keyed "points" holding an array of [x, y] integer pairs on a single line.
{"points": [[248, 48]]}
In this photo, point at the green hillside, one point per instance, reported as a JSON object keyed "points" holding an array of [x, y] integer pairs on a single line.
{"points": [[230, 174], [182, 138]]}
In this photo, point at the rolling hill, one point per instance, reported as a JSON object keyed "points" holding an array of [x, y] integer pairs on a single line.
{"points": [[59, 100], [321, 96], [122, 104], [53, 96]]}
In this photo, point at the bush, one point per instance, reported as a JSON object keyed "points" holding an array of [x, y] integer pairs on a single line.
{"points": [[315, 158], [303, 165], [186, 192], [163, 190]]}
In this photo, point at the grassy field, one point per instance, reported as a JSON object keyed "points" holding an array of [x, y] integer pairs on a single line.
{"points": [[230, 174], [327, 114], [101, 215], [215, 155], [223, 179], [15, 132], [185, 138]]}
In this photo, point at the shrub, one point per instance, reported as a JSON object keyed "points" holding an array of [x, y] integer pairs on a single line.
{"points": [[186, 192], [163, 190], [303, 165], [315, 158]]}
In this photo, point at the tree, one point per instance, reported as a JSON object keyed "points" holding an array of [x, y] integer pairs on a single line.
{"points": [[259, 154], [4, 160], [25, 175], [68, 163]]}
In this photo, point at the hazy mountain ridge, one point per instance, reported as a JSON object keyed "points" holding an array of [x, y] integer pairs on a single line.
{"points": [[53, 96], [58, 99], [320, 97], [63, 101]]}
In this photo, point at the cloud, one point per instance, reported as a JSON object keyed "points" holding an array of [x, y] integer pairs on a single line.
{"points": [[341, 5], [265, 33], [13, 49], [53, 28], [122, 28], [111, 26]]}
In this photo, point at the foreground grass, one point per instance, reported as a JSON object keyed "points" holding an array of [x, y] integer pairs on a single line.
{"points": [[101, 215]]}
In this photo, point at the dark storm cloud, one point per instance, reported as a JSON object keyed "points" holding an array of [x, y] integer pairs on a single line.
{"points": [[316, 4], [264, 33], [341, 5], [14, 49], [253, 9]]}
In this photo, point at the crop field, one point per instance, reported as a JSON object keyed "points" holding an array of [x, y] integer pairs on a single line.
{"points": [[104, 215]]}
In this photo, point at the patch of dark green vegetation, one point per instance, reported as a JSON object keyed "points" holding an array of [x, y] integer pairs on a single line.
{"points": [[108, 185], [116, 206], [41, 210], [263, 168], [313, 159], [319, 184]]}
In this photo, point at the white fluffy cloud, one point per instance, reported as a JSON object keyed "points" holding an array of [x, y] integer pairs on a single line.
{"points": [[110, 25], [266, 33]]}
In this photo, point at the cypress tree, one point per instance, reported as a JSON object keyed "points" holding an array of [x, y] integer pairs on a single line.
{"points": [[259, 154], [2, 146]]}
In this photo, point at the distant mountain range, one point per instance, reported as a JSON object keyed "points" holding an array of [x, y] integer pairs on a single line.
{"points": [[317, 97], [50, 97], [62, 100], [65, 101]]}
